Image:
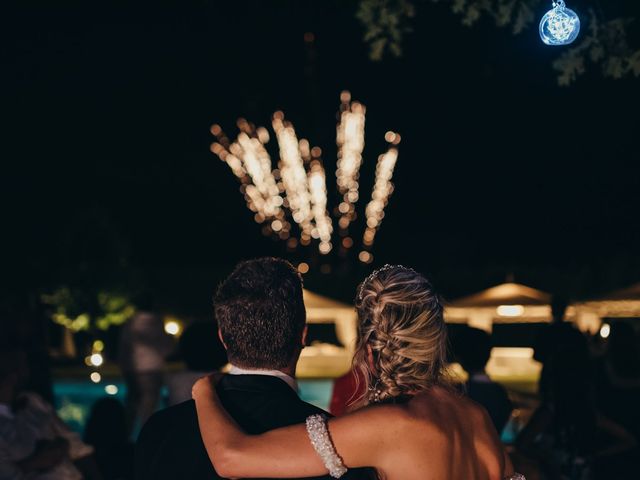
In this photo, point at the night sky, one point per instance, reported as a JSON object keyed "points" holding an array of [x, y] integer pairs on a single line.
{"points": [[107, 175]]}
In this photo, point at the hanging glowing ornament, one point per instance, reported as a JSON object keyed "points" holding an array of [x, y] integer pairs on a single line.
{"points": [[560, 25]]}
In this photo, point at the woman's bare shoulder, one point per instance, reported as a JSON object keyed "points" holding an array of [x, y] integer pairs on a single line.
{"points": [[442, 408], [383, 413], [382, 420], [446, 398]]}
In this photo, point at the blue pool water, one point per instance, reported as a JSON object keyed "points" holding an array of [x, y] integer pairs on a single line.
{"points": [[74, 398]]}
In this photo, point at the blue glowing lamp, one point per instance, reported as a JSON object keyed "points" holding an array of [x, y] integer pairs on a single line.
{"points": [[560, 25]]}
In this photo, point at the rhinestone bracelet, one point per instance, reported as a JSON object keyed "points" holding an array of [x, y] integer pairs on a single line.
{"points": [[322, 444]]}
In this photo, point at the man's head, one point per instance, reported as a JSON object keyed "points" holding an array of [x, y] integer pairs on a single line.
{"points": [[475, 350], [261, 315]]}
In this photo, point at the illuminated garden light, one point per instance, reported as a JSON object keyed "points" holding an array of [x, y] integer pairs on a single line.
{"points": [[560, 25], [605, 330], [95, 377], [111, 389], [172, 327], [510, 310], [96, 359]]}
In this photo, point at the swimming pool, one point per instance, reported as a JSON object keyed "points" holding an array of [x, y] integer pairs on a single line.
{"points": [[74, 397]]}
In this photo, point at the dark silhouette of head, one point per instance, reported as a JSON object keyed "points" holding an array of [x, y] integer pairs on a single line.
{"points": [[261, 314], [106, 425], [201, 349], [474, 349], [559, 305]]}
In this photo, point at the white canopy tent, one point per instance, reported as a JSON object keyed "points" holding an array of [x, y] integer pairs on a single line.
{"points": [[324, 359], [624, 303], [505, 303]]}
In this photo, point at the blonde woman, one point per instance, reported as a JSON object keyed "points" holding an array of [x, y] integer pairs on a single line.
{"points": [[413, 425]]}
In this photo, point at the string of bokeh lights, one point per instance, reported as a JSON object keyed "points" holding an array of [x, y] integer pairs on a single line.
{"points": [[295, 192]]}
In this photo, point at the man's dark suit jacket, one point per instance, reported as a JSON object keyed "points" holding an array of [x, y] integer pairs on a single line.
{"points": [[170, 447]]}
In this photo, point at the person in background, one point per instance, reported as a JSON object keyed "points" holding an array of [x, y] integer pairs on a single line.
{"points": [[106, 431], [262, 321], [347, 390], [474, 353], [556, 333], [34, 443], [143, 347], [202, 352], [563, 434], [618, 389], [619, 377]]}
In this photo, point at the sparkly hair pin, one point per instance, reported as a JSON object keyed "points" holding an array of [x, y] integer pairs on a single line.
{"points": [[377, 272]]}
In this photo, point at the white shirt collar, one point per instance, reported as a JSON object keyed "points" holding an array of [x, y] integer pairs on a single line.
{"points": [[271, 373], [5, 410]]}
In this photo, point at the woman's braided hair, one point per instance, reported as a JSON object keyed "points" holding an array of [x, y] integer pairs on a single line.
{"points": [[401, 320]]}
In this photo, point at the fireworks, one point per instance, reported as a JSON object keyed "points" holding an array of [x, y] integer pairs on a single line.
{"points": [[318, 188], [251, 163], [382, 189], [294, 175], [297, 189], [350, 140]]}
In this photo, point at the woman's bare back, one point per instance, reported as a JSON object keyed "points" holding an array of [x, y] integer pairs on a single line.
{"points": [[440, 434]]}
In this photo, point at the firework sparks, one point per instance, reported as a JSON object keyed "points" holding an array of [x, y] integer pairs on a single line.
{"points": [[298, 186], [251, 163], [294, 175], [318, 189], [350, 140], [382, 189]]}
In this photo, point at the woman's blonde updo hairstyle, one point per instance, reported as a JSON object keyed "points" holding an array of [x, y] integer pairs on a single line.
{"points": [[401, 319]]}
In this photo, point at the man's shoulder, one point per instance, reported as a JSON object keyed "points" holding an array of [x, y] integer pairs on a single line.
{"points": [[180, 410], [176, 416], [182, 413], [172, 435], [183, 416], [258, 412], [305, 409], [169, 446]]}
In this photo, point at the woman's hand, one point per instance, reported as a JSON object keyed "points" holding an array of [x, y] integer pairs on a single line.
{"points": [[205, 387]]}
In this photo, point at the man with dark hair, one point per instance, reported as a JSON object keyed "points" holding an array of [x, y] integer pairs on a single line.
{"points": [[261, 318], [261, 315]]}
